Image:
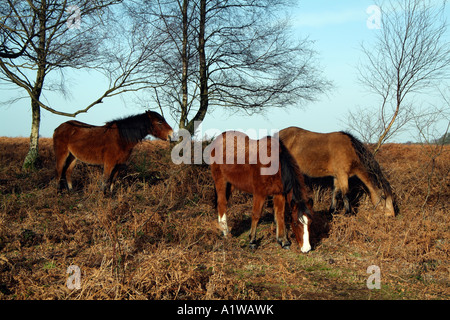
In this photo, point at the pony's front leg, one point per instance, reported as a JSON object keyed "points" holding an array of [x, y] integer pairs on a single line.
{"points": [[221, 207], [223, 224], [114, 173], [258, 202], [279, 207], [341, 187], [107, 177]]}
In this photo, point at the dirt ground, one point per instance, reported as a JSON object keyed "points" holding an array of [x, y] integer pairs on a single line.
{"points": [[157, 236]]}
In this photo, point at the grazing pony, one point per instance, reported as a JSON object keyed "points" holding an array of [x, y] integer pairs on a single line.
{"points": [[109, 145], [262, 167], [340, 155]]}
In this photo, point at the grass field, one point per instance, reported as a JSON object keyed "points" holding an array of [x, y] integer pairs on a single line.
{"points": [[158, 237]]}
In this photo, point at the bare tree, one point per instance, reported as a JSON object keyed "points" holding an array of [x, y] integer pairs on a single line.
{"points": [[43, 36], [231, 54], [369, 122], [410, 55]]}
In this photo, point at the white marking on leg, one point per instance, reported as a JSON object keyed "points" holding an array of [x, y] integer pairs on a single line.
{"points": [[223, 224], [306, 245]]}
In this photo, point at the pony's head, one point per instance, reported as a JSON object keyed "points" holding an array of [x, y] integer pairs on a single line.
{"points": [[301, 224], [296, 195], [159, 128], [383, 194], [390, 207]]}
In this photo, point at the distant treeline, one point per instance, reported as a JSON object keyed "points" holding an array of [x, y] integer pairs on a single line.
{"points": [[445, 139]]}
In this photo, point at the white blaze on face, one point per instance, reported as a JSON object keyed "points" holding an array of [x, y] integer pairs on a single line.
{"points": [[306, 247], [223, 224]]}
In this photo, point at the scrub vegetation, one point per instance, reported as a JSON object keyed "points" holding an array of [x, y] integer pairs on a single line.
{"points": [[157, 236]]}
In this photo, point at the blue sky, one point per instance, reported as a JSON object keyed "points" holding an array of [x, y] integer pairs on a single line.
{"points": [[338, 29]]}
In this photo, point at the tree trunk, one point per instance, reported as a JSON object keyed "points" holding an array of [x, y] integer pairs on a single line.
{"points": [[386, 131], [32, 159], [203, 70], [185, 62]]}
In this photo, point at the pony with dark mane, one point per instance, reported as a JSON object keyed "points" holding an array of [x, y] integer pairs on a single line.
{"points": [[340, 155], [109, 145], [262, 167]]}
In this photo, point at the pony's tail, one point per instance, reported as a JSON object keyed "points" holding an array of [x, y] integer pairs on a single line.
{"points": [[290, 174], [372, 166]]}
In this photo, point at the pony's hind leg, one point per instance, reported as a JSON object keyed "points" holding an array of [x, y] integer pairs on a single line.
{"points": [[63, 165], [258, 202], [61, 157], [61, 181], [279, 206], [70, 164]]}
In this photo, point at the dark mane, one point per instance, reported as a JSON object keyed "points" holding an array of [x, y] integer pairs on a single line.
{"points": [[289, 174], [132, 128], [372, 166]]}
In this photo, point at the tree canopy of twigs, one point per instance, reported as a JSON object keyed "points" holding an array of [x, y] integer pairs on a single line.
{"points": [[409, 55], [235, 54]]}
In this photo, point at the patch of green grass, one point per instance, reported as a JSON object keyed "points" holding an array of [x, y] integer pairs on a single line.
{"points": [[49, 265]]}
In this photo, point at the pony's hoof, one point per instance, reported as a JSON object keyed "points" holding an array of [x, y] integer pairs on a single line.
{"points": [[224, 236], [253, 246], [284, 244]]}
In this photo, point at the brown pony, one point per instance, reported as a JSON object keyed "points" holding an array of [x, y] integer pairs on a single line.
{"points": [[340, 155], [262, 167], [109, 145]]}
